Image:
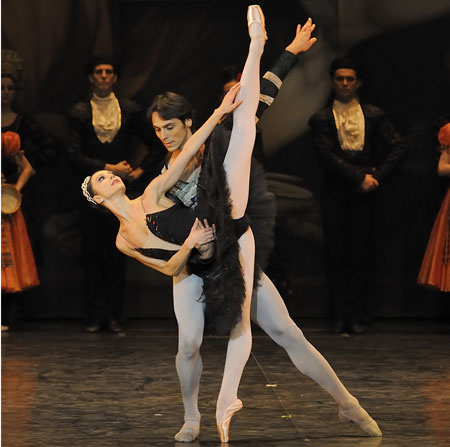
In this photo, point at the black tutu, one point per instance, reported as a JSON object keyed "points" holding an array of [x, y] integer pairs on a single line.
{"points": [[223, 284]]}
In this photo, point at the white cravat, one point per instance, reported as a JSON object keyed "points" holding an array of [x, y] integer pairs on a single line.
{"points": [[106, 117], [350, 124]]}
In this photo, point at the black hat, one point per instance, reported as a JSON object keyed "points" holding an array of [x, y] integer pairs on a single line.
{"points": [[101, 59], [345, 62]]}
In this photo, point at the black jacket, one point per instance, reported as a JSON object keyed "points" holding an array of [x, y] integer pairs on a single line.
{"points": [[345, 170], [87, 154]]}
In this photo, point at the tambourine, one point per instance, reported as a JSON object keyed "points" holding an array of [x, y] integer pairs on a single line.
{"points": [[11, 199]]}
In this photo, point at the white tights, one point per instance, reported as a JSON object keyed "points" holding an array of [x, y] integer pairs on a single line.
{"points": [[269, 312], [237, 165], [187, 289]]}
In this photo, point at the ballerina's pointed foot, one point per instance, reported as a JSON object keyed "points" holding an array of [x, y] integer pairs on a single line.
{"points": [[256, 22], [189, 432], [223, 425], [359, 416]]}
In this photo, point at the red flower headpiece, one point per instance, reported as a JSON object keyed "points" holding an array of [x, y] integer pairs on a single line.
{"points": [[444, 135], [10, 143]]}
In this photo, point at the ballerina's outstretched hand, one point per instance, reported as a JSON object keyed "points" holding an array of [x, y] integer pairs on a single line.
{"points": [[303, 41], [229, 102]]}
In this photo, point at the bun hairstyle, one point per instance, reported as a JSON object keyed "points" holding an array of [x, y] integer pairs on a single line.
{"points": [[228, 74], [86, 188]]}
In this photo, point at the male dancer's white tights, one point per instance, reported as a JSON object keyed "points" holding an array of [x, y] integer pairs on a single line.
{"points": [[269, 312]]}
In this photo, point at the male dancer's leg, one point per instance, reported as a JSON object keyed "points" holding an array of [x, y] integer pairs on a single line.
{"points": [[189, 311], [237, 167], [270, 313]]}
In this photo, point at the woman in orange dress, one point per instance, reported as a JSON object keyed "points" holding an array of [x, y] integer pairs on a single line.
{"points": [[435, 270], [18, 267]]}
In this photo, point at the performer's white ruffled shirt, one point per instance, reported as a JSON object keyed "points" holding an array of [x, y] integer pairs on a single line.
{"points": [[106, 117], [350, 124]]}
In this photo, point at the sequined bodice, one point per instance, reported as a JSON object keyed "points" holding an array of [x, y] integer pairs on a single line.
{"points": [[172, 224]]}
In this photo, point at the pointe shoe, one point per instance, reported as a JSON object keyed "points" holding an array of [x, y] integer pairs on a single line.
{"points": [[359, 416], [224, 424], [255, 15]]}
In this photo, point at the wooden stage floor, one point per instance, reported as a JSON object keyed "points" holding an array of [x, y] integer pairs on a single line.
{"points": [[64, 388]]}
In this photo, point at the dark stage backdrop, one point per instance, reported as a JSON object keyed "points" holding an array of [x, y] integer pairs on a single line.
{"points": [[181, 46]]}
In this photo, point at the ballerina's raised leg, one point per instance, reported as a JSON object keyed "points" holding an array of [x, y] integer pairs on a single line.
{"points": [[237, 168]]}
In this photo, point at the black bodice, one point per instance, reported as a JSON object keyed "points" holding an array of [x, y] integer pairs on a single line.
{"points": [[156, 253], [172, 224]]}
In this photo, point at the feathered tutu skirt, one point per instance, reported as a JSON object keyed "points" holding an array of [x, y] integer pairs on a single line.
{"points": [[223, 284]]}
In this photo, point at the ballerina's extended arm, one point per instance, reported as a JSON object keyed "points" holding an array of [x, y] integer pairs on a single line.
{"points": [[200, 235], [164, 182]]}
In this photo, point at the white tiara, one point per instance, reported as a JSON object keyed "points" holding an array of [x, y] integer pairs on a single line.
{"points": [[86, 194]]}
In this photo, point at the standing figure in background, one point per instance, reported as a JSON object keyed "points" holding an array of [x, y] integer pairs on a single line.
{"points": [[102, 131], [358, 148], [37, 150], [39, 147], [18, 267], [435, 269]]}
